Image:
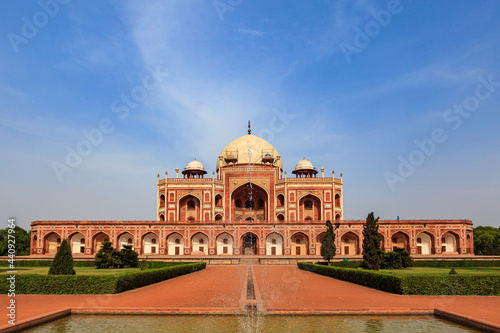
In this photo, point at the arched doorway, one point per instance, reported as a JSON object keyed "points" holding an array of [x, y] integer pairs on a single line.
{"points": [[300, 244], [189, 208], [425, 243], [150, 244], [52, 243], [274, 244], [224, 244], [199, 244], [249, 244], [249, 201], [310, 208], [97, 241], [125, 239], [77, 243], [450, 243], [400, 239], [175, 244], [349, 244]]}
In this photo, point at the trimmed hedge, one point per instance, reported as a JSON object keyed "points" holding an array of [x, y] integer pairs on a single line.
{"points": [[90, 263], [456, 263], [460, 284], [43, 263], [372, 279], [95, 284], [344, 264]]}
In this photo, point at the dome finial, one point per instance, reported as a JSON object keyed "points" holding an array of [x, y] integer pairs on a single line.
{"points": [[249, 130]]}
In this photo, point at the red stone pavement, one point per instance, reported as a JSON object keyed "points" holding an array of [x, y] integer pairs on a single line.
{"points": [[218, 289]]}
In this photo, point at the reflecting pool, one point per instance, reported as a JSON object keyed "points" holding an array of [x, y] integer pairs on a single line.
{"points": [[250, 324]]}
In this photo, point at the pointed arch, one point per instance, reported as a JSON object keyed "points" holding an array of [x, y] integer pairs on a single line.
{"points": [[250, 200], [125, 238], [401, 239], [300, 244], [274, 244], [218, 201], [175, 244], [97, 241], [425, 243], [225, 243], [199, 243], [450, 242], [150, 243], [349, 244], [310, 206], [77, 243], [51, 242], [249, 244], [189, 208]]}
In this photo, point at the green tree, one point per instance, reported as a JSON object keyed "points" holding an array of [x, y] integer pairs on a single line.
{"points": [[22, 238], [486, 240], [63, 261], [328, 248], [107, 257], [129, 257], [372, 255], [406, 259], [391, 260]]}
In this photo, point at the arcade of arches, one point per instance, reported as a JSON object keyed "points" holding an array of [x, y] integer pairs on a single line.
{"points": [[249, 205]]}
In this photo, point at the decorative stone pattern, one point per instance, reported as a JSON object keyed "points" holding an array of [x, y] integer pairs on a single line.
{"points": [[248, 207]]}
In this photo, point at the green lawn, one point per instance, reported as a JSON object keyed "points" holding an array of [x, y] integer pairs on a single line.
{"points": [[444, 270], [79, 270]]}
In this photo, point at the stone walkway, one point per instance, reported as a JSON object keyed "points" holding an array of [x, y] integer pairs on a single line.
{"points": [[279, 289]]}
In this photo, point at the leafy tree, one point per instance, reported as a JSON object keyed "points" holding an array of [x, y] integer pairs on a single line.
{"points": [[328, 248], [406, 259], [372, 255], [63, 261], [107, 257], [23, 241], [128, 256], [486, 240], [392, 260]]}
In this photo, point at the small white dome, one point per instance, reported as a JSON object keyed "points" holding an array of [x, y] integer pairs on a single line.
{"points": [[304, 165], [194, 165]]}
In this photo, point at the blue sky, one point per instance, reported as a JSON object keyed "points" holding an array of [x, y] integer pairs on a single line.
{"points": [[402, 97]]}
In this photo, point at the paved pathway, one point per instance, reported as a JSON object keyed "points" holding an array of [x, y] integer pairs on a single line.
{"points": [[218, 289]]}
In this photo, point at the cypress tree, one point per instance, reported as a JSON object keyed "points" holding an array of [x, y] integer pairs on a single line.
{"points": [[328, 248], [372, 254], [63, 261]]}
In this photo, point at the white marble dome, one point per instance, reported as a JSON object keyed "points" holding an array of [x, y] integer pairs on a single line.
{"points": [[194, 165], [249, 149], [304, 165]]}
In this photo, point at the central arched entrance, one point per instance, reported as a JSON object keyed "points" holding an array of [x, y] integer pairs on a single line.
{"points": [[249, 202], [249, 243]]}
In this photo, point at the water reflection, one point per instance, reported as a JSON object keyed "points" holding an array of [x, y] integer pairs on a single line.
{"points": [[249, 324]]}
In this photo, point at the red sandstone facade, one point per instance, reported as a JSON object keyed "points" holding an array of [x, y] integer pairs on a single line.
{"points": [[249, 206]]}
